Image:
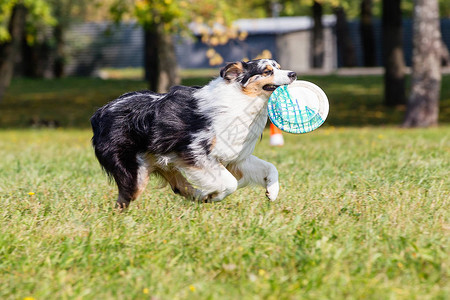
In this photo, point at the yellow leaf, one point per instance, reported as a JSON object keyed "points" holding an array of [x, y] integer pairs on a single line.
{"points": [[214, 41], [243, 35], [210, 53]]}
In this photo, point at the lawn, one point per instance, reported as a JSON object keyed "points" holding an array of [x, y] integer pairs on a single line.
{"points": [[363, 212]]}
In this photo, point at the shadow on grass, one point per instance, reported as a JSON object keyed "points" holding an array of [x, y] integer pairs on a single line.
{"points": [[70, 102]]}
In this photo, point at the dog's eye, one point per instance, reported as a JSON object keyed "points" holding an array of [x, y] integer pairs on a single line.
{"points": [[267, 73]]}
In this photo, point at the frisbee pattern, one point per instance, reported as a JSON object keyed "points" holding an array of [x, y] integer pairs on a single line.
{"points": [[298, 108]]}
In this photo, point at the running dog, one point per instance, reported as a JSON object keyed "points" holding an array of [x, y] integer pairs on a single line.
{"points": [[198, 139]]}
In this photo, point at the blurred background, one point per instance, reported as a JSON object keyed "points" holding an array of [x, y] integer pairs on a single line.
{"points": [[62, 59]]}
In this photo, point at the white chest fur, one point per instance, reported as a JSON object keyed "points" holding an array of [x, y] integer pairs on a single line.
{"points": [[238, 120]]}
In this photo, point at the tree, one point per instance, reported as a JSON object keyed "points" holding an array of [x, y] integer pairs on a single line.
{"points": [[318, 44], [43, 44], [347, 53], [394, 63], [344, 41], [9, 49], [423, 104], [367, 34], [166, 72], [14, 15], [66, 12], [160, 19]]}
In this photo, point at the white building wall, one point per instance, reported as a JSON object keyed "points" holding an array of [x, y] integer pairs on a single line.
{"points": [[294, 50]]}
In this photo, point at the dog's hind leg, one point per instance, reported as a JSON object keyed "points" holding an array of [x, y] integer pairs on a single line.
{"points": [[131, 176], [178, 183], [257, 171]]}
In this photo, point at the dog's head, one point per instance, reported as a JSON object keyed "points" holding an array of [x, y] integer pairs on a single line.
{"points": [[257, 77]]}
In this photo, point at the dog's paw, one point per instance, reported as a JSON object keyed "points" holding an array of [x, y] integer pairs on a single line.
{"points": [[272, 191]]}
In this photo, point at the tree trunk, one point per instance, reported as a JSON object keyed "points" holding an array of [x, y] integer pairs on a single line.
{"points": [[161, 69], [151, 60], [168, 67], [318, 48], [423, 104], [9, 50], [367, 34], [27, 65], [36, 58], [394, 62], [58, 34], [344, 42]]}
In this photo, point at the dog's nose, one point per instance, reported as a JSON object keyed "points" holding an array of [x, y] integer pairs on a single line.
{"points": [[292, 75]]}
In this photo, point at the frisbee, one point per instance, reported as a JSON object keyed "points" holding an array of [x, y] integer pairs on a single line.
{"points": [[299, 107]]}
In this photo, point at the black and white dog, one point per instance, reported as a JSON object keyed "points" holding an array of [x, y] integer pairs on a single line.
{"points": [[199, 139]]}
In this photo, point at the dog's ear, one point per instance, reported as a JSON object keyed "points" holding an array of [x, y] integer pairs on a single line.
{"points": [[232, 71]]}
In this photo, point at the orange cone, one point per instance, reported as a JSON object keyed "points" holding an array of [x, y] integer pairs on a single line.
{"points": [[276, 137]]}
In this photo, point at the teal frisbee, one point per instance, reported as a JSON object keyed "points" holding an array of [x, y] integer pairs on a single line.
{"points": [[299, 107]]}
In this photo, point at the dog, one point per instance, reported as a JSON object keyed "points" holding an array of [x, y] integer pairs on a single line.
{"points": [[197, 139]]}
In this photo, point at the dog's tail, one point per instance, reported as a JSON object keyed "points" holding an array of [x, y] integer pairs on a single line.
{"points": [[116, 153], [98, 141]]}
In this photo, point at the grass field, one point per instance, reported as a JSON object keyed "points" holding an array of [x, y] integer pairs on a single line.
{"points": [[363, 212]]}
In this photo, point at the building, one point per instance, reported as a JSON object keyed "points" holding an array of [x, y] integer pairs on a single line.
{"points": [[287, 38]]}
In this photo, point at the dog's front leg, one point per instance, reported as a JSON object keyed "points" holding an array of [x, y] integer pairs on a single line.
{"points": [[257, 171]]}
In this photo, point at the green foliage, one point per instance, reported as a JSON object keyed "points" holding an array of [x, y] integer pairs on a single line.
{"points": [[66, 11], [39, 12], [42, 13], [177, 14], [168, 12], [444, 8], [362, 214], [5, 13]]}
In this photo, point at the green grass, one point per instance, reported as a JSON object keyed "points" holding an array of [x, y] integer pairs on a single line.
{"points": [[362, 213], [354, 101]]}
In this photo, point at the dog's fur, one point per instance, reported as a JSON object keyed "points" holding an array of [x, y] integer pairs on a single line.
{"points": [[199, 139]]}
